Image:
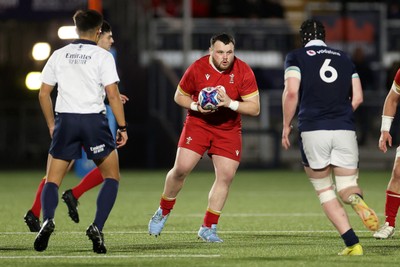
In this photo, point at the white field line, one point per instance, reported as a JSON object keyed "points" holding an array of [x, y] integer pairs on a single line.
{"points": [[300, 214], [225, 215], [255, 215], [193, 232], [114, 256]]}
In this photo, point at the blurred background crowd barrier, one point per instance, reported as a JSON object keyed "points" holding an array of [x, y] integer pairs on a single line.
{"points": [[155, 40]]}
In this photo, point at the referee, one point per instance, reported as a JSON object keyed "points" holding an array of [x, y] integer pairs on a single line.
{"points": [[84, 74]]}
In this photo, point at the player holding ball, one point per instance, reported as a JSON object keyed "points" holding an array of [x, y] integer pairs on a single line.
{"points": [[217, 131]]}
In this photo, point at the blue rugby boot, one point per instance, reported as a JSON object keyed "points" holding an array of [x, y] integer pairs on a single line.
{"points": [[157, 222], [209, 234]]}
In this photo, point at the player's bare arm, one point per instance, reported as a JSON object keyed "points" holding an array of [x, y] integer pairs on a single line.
{"points": [[47, 105], [114, 99], [187, 102], [389, 111], [391, 102], [357, 93], [124, 98], [248, 106], [290, 99]]}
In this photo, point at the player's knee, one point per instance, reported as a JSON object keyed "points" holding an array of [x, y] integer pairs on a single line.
{"points": [[111, 175], [178, 174], [324, 188]]}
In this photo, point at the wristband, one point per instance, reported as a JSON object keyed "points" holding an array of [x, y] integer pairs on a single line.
{"points": [[123, 128], [386, 123], [234, 105], [194, 106]]}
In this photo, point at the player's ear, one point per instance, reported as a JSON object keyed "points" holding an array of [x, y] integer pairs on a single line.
{"points": [[98, 34]]}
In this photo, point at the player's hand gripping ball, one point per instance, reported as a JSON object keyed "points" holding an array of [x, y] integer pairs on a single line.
{"points": [[208, 98]]}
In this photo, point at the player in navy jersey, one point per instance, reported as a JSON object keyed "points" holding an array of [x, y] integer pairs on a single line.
{"points": [[85, 74], [217, 132], [323, 84]]}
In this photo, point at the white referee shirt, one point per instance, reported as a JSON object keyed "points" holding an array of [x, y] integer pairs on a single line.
{"points": [[81, 70]]}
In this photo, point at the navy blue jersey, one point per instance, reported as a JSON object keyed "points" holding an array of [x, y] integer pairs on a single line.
{"points": [[325, 88]]}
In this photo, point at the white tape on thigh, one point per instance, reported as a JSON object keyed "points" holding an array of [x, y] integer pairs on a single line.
{"points": [[343, 182], [326, 196], [322, 183]]}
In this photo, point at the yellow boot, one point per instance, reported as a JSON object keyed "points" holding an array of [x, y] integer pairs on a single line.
{"points": [[355, 250]]}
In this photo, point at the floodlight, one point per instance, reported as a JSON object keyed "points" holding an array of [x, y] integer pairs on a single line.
{"points": [[41, 51], [32, 80], [67, 32]]}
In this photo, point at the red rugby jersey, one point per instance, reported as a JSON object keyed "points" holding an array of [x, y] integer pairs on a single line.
{"points": [[397, 81], [239, 83]]}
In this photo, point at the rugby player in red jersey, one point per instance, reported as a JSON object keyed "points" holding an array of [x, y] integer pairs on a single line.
{"points": [[217, 132], [392, 204]]}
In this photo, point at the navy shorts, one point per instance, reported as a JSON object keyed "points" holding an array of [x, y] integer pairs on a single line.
{"points": [[73, 131]]}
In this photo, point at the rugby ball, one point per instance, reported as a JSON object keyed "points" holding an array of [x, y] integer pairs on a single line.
{"points": [[208, 98]]}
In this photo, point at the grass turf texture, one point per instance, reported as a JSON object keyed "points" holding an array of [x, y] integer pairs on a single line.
{"points": [[271, 218]]}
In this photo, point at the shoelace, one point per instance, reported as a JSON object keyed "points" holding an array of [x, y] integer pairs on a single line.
{"points": [[157, 217], [385, 229]]}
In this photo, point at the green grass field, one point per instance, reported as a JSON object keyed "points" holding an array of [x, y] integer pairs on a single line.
{"points": [[271, 218]]}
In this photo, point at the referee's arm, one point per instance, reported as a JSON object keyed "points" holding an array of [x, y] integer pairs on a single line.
{"points": [[46, 105], [117, 107]]}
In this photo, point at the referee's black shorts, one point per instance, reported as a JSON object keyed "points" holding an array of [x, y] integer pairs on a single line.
{"points": [[73, 131]]}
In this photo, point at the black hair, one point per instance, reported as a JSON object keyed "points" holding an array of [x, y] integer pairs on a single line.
{"points": [[105, 27], [222, 37], [87, 20], [312, 29]]}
